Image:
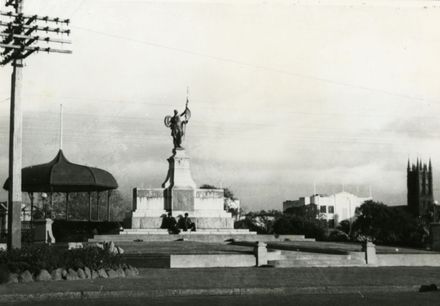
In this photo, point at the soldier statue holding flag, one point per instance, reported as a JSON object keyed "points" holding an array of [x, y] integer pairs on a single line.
{"points": [[177, 124]]}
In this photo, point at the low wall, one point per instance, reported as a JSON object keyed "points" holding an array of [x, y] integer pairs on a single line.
{"points": [[151, 199], [212, 261], [209, 199], [213, 222], [432, 260], [146, 222]]}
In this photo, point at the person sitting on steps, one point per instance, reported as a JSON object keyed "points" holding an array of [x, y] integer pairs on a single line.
{"points": [[170, 223], [186, 224]]}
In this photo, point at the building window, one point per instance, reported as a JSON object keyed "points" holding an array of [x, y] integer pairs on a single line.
{"points": [[323, 209], [331, 209]]}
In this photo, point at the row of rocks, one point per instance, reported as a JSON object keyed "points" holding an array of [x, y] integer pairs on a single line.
{"points": [[70, 274]]}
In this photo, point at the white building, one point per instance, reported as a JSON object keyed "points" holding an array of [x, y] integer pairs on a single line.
{"points": [[333, 208]]}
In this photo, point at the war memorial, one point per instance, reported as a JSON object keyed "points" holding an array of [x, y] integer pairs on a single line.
{"points": [[179, 193], [177, 196]]}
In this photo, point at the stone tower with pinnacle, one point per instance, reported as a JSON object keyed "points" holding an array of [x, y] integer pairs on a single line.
{"points": [[420, 187]]}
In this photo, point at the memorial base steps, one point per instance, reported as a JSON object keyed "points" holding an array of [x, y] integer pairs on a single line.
{"points": [[198, 232]]}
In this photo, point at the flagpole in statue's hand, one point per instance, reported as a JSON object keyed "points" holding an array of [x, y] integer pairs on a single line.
{"points": [[187, 112], [187, 97]]}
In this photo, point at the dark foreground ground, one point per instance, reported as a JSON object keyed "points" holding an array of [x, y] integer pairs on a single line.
{"points": [[358, 299], [239, 286], [243, 280]]}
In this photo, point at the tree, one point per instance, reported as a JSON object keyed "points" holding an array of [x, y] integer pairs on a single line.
{"points": [[388, 225], [302, 224], [344, 226], [120, 207], [261, 222], [207, 186], [309, 212], [230, 201], [229, 194], [275, 222]]}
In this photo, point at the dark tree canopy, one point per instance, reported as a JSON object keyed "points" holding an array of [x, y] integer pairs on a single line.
{"points": [[228, 192], [389, 225], [207, 186], [308, 212]]}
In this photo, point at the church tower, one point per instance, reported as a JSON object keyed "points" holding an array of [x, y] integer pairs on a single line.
{"points": [[420, 191]]}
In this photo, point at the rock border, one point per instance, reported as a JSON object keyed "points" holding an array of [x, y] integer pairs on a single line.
{"points": [[61, 274]]}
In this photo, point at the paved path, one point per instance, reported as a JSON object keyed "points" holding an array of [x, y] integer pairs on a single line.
{"points": [[231, 281], [358, 299]]}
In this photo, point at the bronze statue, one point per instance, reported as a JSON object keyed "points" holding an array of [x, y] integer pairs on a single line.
{"points": [[177, 124]]}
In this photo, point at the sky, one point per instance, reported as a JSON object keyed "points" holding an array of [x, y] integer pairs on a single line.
{"points": [[284, 95]]}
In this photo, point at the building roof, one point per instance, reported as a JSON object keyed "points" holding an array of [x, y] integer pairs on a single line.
{"points": [[61, 175]]}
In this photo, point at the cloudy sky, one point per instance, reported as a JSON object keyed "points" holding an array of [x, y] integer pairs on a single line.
{"points": [[283, 94]]}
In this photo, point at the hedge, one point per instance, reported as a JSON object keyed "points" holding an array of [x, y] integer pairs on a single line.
{"points": [[80, 231], [34, 258]]}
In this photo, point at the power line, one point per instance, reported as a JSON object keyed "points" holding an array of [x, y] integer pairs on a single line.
{"points": [[261, 67], [19, 41], [207, 136], [216, 105], [123, 123], [76, 10]]}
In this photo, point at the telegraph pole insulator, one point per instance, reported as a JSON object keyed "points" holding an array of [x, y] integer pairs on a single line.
{"points": [[18, 42]]}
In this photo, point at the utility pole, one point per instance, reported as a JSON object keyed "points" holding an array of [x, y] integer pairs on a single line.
{"points": [[20, 39]]}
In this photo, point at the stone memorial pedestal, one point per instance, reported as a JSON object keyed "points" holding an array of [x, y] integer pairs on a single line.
{"points": [[180, 195]]}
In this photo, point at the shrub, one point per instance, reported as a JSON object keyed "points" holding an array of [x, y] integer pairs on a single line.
{"points": [[251, 224], [338, 235], [298, 225], [35, 258], [80, 231], [344, 226], [274, 222], [4, 273], [92, 257]]}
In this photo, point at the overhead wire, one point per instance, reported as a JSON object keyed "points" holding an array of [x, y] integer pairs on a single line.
{"points": [[261, 67], [365, 113], [254, 66], [123, 123]]}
